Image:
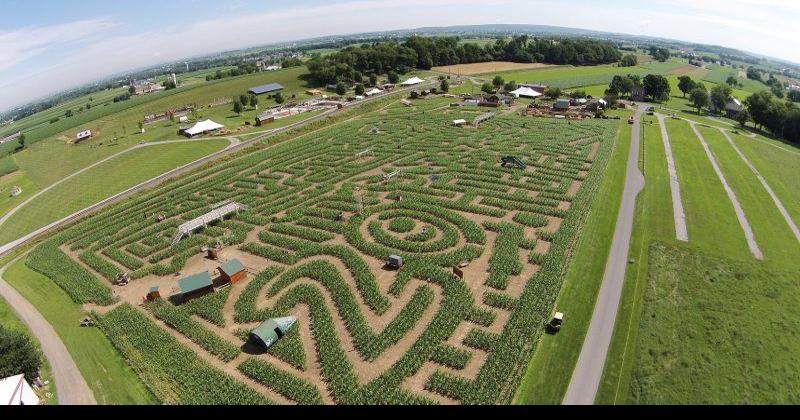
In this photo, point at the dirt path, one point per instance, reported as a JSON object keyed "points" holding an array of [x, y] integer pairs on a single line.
{"points": [[72, 388], [589, 368], [737, 207], [681, 233], [763, 181]]}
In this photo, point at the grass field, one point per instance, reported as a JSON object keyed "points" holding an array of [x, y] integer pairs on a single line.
{"points": [[104, 181], [10, 321], [569, 76], [365, 334], [106, 373], [490, 67]]}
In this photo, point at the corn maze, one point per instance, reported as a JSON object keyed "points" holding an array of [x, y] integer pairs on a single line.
{"points": [[321, 220]]}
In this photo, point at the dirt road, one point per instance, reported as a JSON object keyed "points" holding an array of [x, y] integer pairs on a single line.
{"points": [[72, 388], [589, 368]]}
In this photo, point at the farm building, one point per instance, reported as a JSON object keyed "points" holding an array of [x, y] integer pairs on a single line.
{"points": [[195, 285], [141, 87], [232, 271], [83, 135], [526, 92], [412, 81], [271, 330], [460, 122], [153, 294], [15, 390], [11, 137], [16, 190], [561, 103], [264, 119], [268, 88], [535, 86], [202, 127], [733, 107]]}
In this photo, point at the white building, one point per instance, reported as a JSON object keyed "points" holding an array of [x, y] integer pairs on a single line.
{"points": [[15, 390], [83, 135]]}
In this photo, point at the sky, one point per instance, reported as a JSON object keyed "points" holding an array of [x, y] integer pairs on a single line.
{"points": [[51, 45]]}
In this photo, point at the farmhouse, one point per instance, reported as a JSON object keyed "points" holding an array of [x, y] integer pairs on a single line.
{"points": [[265, 118], [83, 135], [195, 285], [268, 88], [232, 271], [202, 127], [271, 330], [412, 81], [525, 92], [733, 107], [15, 390], [140, 87]]}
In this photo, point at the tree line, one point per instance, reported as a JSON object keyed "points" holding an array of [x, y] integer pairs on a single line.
{"points": [[426, 52]]}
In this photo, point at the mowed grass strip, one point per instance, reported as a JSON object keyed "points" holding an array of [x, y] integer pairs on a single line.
{"points": [[710, 218], [549, 371], [778, 243], [778, 165], [104, 370], [721, 338], [653, 221], [103, 181]]}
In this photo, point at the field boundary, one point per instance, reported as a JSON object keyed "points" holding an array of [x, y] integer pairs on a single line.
{"points": [[681, 232]]}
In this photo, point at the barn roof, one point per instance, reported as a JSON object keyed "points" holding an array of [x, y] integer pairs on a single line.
{"points": [[195, 282], [232, 267], [269, 87], [271, 330]]}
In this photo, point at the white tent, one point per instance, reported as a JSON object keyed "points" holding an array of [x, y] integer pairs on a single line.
{"points": [[412, 81], [526, 92], [14, 390], [459, 122], [373, 91], [202, 127]]}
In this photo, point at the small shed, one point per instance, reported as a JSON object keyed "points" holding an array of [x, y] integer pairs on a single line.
{"points": [[271, 330], [232, 271], [196, 285], [561, 103], [153, 294], [264, 119]]}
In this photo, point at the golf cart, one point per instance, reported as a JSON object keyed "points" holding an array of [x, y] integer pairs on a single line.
{"points": [[554, 325]]}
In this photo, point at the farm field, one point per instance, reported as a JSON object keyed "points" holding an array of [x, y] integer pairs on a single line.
{"points": [[689, 289], [489, 67], [570, 76], [320, 221], [103, 181]]}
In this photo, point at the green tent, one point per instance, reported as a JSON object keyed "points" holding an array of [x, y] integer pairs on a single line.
{"points": [[271, 331]]}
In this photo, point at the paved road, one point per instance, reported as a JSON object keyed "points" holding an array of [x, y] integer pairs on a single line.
{"points": [[72, 388], [589, 369], [6, 248]]}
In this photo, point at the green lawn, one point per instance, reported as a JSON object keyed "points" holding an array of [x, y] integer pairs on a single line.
{"points": [[18, 179], [777, 242], [704, 198], [104, 181], [9, 320], [549, 371], [570, 76], [111, 380]]}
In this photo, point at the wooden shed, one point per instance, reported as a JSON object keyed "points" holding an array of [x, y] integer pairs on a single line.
{"points": [[232, 271]]}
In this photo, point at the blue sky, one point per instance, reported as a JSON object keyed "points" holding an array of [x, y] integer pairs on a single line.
{"points": [[50, 45]]}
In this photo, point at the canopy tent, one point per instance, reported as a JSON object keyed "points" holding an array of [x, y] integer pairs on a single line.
{"points": [[271, 330], [373, 91], [14, 390], [459, 122], [412, 81], [526, 92], [202, 127]]}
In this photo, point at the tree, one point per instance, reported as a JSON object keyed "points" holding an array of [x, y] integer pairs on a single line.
{"points": [[393, 77], [611, 99], [68, 113], [753, 74], [620, 85], [777, 90], [341, 89], [88, 106], [487, 88], [414, 94], [237, 106], [511, 86], [498, 81], [628, 60], [793, 95], [444, 86], [742, 117], [132, 90], [358, 77], [373, 79], [244, 100], [699, 98], [757, 105], [791, 129], [254, 101], [21, 141], [141, 126], [279, 99], [656, 87], [660, 54], [720, 96], [732, 81], [552, 92], [686, 84], [18, 355], [359, 89]]}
